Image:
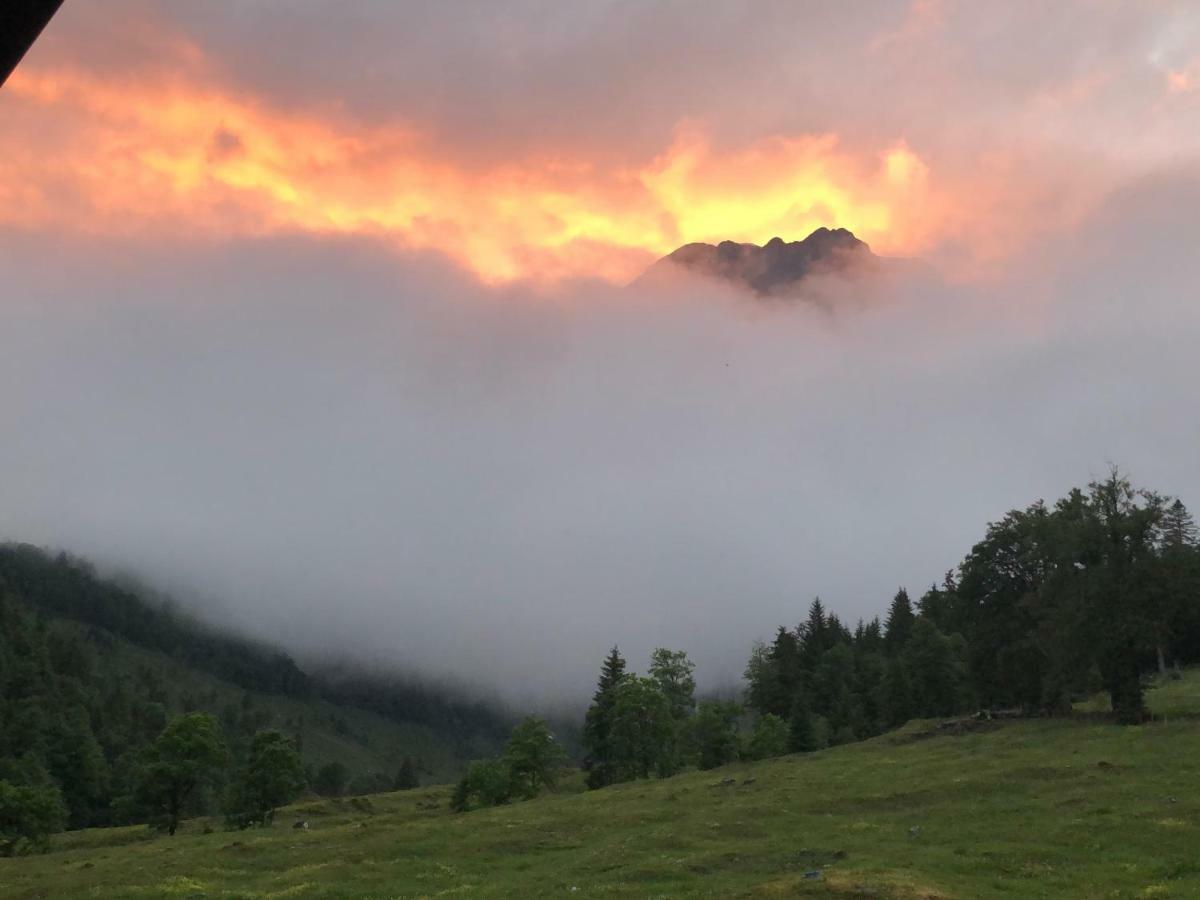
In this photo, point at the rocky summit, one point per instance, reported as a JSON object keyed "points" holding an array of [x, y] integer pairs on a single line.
{"points": [[778, 267]]}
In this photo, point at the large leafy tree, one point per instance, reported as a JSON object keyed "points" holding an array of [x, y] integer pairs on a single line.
{"points": [[642, 737], [186, 757], [29, 812], [533, 757], [272, 776], [1118, 566], [673, 671], [1001, 602]]}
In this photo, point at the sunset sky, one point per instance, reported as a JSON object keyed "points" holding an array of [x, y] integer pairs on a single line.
{"points": [[317, 313], [546, 140]]}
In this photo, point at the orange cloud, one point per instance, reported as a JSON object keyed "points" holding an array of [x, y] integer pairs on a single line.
{"points": [[1185, 80], [86, 154]]}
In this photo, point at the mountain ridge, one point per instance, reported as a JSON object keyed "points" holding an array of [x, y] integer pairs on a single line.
{"points": [[777, 268]]}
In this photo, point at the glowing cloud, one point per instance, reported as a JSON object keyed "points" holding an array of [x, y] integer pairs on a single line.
{"points": [[79, 152]]}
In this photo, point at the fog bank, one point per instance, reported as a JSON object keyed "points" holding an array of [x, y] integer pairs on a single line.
{"points": [[364, 454]]}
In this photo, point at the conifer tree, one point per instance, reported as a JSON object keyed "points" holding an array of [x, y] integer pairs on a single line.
{"points": [[802, 734], [597, 726], [899, 622], [406, 777], [898, 694]]}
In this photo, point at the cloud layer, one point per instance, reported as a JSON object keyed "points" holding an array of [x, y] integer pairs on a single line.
{"points": [[545, 141], [313, 311], [367, 454]]}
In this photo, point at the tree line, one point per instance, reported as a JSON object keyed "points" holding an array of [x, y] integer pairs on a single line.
{"points": [[1055, 603]]}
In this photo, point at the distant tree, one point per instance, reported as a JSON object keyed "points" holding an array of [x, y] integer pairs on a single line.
{"points": [[1120, 528], [597, 728], [769, 739], [1174, 606], [331, 779], [533, 757], [272, 776], [900, 622], [818, 633], [487, 782], [936, 670], [406, 776], [29, 812], [1178, 528], [1002, 600], [936, 604], [187, 756], [802, 732], [673, 671], [76, 761], [897, 693], [642, 731], [760, 678], [714, 734], [786, 671], [371, 783]]}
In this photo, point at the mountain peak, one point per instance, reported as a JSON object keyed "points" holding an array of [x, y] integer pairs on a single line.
{"points": [[776, 268]]}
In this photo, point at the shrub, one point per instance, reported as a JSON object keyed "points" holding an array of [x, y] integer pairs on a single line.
{"points": [[29, 814]]}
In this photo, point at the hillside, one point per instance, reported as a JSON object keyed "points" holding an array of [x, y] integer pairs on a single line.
{"points": [[1028, 808], [91, 670]]}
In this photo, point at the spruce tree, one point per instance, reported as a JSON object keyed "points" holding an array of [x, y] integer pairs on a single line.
{"points": [[1175, 611], [597, 726], [406, 777], [802, 733], [897, 694], [1178, 528], [899, 622]]}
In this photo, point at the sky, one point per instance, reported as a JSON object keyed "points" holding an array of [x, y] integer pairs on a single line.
{"points": [[318, 313]]}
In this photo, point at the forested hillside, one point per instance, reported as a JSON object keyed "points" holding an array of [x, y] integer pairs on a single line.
{"points": [[91, 673], [1057, 602]]}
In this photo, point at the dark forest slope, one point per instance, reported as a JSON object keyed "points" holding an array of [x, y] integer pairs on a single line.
{"points": [[90, 672]]}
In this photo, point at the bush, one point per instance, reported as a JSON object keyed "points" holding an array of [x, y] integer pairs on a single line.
{"points": [[769, 739], [330, 780], [487, 782], [29, 814]]}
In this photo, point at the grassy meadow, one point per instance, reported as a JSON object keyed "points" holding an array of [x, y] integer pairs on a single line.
{"points": [[1014, 809]]}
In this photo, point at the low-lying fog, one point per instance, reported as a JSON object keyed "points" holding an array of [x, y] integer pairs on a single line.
{"points": [[355, 452]]}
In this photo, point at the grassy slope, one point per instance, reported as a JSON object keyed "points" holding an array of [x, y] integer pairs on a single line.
{"points": [[1017, 810]]}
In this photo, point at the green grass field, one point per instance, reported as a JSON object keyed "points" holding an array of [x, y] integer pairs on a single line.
{"points": [[1019, 809]]}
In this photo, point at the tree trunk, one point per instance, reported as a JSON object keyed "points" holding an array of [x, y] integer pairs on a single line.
{"points": [[1162, 659]]}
